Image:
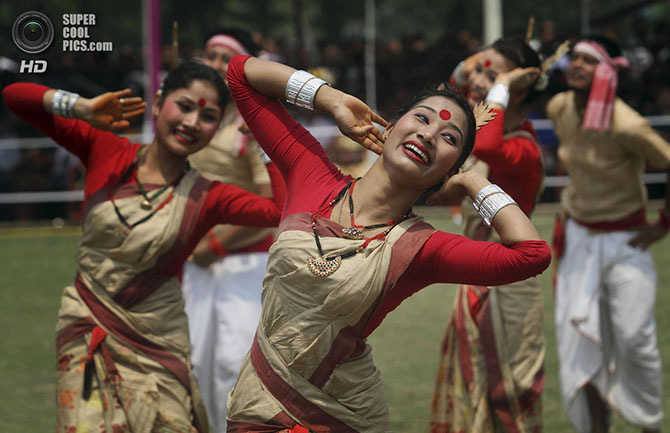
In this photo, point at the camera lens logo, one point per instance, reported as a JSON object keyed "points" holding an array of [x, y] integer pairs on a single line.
{"points": [[33, 32]]}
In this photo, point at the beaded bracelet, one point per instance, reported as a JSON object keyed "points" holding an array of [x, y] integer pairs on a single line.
{"points": [[62, 103], [499, 94], [301, 89], [490, 200]]}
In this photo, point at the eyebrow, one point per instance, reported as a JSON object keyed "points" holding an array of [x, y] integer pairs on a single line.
{"points": [[450, 123]]}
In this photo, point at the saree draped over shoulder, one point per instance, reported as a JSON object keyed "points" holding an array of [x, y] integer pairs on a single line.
{"points": [[123, 320], [308, 366]]}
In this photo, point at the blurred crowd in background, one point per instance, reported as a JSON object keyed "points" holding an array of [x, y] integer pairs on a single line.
{"points": [[403, 66]]}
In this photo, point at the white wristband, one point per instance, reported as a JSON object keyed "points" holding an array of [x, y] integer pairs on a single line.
{"points": [[62, 103], [301, 89], [490, 200], [488, 189], [499, 94]]}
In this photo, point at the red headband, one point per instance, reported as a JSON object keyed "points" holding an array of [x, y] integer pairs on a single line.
{"points": [[598, 114]]}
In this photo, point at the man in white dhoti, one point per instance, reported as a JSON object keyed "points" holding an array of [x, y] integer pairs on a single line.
{"points": [[223, 281], [606, 282]]}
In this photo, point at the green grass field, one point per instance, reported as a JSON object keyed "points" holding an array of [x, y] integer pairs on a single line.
{"points": [[38, 263]]}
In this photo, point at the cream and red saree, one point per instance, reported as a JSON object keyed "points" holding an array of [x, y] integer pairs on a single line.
{"points": [[491, 372], [308, 367], [125, 314]]}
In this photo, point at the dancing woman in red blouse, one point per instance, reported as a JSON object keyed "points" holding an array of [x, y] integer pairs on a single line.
{"points": [[123, 348], [491, 372], [349, 251]]}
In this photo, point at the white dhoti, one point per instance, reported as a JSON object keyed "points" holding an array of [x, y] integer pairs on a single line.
{"points": [[605, 325], [223, 304]]}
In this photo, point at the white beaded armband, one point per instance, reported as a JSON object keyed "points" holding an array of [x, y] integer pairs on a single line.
{"points": [[499, 94], [62, 103], [490, 200], [301, 89]]}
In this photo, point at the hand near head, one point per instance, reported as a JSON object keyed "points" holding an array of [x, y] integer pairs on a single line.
{"points": [[518, 79], [452, 191], [354, 119], [111, 110]]}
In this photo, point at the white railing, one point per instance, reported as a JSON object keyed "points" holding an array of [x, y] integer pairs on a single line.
{"points": [[662, 121]]}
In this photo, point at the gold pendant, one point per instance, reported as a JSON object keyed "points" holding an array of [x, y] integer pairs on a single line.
{"points": [[146, 205], [352, 233], [323, 267]]}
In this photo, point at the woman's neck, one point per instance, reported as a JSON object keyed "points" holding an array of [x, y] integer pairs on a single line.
{"points": [[158, 165], [378, 199]]}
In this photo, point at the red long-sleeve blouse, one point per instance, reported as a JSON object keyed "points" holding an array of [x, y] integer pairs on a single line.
{"points": [[107, 156], [515, 163], [312, 180]]}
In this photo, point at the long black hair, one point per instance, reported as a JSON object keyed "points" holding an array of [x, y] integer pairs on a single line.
{"points": [[522, 55]]}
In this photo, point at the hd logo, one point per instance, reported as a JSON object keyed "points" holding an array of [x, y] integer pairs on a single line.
{"points": [[33, 33], [33, 66]]}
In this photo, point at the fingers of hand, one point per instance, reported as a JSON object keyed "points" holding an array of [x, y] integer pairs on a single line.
{"points": [[377, 134], [131, 101], [531, 74], [372, 145], [379, 120], [122, 93], [133, 113], [119, 124], [128, 108]]}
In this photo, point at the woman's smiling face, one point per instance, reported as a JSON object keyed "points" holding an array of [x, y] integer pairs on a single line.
{"points": [[480, 80], [424, 144], [188, 118]]}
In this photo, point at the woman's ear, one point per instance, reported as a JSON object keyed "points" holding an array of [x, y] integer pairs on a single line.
{"points": [[387, 131], [158, 103]]}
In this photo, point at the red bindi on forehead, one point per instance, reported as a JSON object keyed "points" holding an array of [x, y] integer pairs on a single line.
{"points": [[487, 63], [445, 115], [202, 102]]}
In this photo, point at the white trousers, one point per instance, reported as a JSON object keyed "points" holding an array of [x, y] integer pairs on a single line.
{"points": [[605, 325], [223, 304]]}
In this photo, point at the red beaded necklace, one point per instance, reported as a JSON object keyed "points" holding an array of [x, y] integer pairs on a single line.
{"points": [[327, 265], [353, 232]]}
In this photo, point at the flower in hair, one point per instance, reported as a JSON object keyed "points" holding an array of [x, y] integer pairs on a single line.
{"points": [[541, 82]]}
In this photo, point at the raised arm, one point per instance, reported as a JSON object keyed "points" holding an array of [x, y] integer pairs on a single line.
{"points": [[299, 156], [34, 104]]}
